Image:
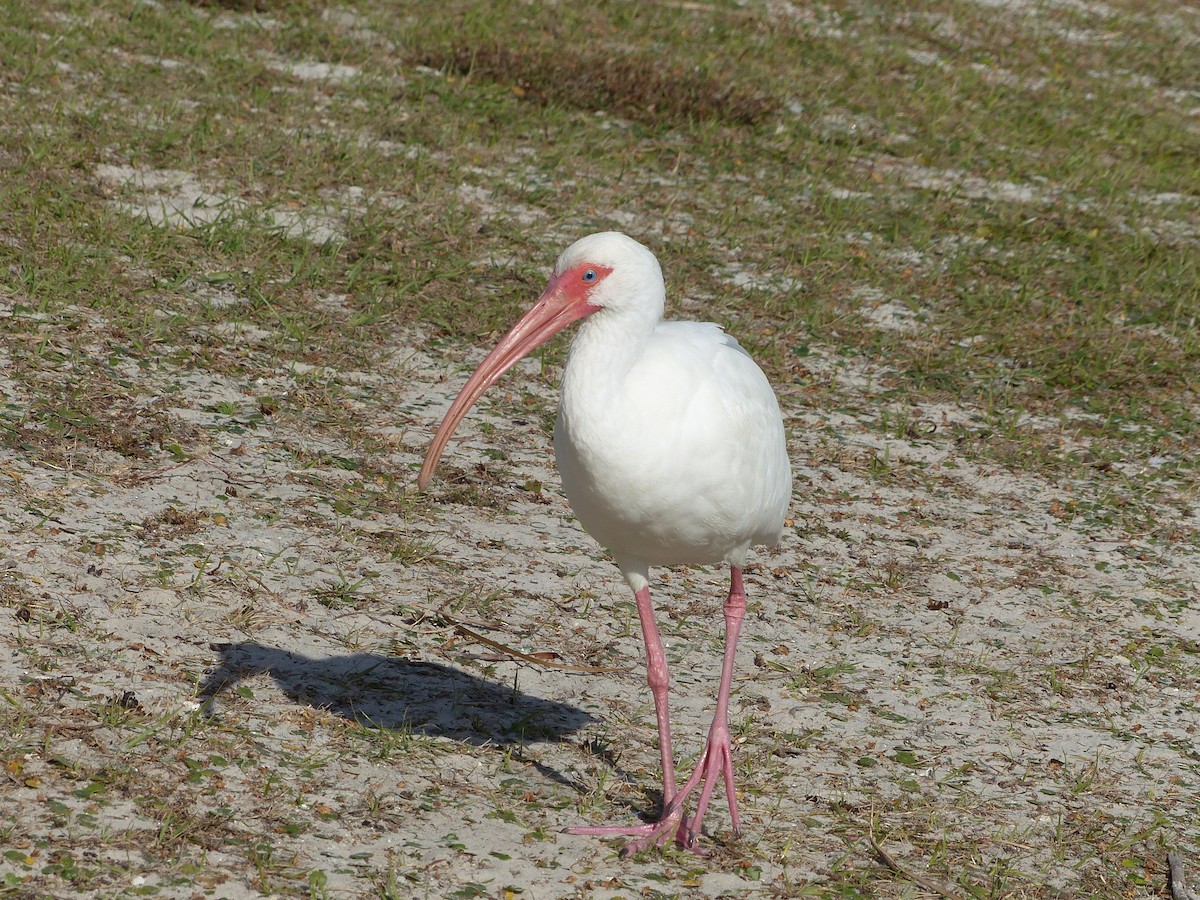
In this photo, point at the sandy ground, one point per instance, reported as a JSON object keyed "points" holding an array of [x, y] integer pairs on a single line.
{"points": [[253, 637]]}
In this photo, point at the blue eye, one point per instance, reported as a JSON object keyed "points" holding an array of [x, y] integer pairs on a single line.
{"points": [[589, 276]]}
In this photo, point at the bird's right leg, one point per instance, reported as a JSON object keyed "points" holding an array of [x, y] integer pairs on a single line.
{"points": [[659, 680], [673, 822]]}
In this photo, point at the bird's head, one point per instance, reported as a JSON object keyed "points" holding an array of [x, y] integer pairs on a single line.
{"points": [[605, 271], [608, 270]]}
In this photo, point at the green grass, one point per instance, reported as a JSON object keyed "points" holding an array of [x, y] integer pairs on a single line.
{"points": [[1103, 310]]}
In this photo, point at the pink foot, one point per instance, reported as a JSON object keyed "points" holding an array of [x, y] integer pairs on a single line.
{"points": [[673, 825], [717, 763]]}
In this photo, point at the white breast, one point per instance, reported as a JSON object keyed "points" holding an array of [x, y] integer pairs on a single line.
{"points": [[684, 460]]}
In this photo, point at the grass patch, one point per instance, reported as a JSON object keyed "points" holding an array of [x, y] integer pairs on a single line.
{"points": [[639, 87]]}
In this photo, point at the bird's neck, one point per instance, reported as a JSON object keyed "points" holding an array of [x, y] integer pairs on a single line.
{"points": [[604, 350]]}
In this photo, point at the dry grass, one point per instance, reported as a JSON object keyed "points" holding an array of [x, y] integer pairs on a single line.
{"points": [[639, 87]]}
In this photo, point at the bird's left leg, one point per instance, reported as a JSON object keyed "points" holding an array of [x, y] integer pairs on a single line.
{"points": [[718, 751]]}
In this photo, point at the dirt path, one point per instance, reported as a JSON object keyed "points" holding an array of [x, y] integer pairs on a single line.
{"points": [[246, 658]]}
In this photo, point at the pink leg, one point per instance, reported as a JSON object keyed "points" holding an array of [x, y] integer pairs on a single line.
{"points": [[718, 752], [717, 759], [659, 681]]}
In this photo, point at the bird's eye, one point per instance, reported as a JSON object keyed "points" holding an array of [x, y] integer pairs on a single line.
{"points": [[589, 276]]}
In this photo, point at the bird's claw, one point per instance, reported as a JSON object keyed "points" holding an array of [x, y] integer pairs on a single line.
{"points": [[716, 765], [673, 824]]}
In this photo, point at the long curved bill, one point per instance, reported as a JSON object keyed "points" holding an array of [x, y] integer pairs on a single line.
{"points": [[555, 310]]}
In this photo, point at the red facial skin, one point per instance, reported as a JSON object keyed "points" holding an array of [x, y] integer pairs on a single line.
{"points": [[567, 299]]}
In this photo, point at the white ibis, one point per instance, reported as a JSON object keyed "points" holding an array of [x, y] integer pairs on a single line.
{"points": [[671, 448]]}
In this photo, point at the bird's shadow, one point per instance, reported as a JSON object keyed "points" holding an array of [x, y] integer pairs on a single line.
{"points": [[392, 692]]}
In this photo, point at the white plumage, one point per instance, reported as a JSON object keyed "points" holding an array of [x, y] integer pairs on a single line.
{"points": [[679, 459], [671, 448]]}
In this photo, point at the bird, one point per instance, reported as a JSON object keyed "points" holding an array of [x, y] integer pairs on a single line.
{"points": [[672, 451]]}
